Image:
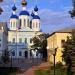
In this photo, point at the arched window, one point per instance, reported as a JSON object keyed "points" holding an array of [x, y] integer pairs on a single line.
{"points": [[20, 22], [25, 40], [62, 42], [11, 24], [24, 22], [16, 24], [33, 25], [36, 24], [28, 22], [13, 40], [20, 53], [30, 40], [39, 25], [20, 40]]}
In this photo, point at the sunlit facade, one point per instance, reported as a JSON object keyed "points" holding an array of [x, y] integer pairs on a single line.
{"points": [[56, 40]]}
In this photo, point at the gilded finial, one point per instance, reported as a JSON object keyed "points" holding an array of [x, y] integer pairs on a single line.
{"points": [[24, 2]]}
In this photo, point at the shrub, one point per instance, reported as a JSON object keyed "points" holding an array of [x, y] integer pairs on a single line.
{"points": [[58, 65]]}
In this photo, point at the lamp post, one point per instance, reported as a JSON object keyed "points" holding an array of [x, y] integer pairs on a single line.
{"points": [[54, 55]]}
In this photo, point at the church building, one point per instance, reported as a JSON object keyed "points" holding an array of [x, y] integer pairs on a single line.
{"points": [[22, 29]]}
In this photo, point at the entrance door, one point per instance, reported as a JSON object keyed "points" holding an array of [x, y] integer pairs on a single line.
{"points": [[26, 54]]}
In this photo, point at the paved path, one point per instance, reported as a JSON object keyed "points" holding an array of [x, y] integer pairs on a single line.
{"points": [[31, 70], [28, 72]]}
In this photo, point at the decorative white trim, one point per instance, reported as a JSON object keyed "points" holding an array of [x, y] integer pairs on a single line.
{"points": [[24, 8], [36, 13], [14, 12]]}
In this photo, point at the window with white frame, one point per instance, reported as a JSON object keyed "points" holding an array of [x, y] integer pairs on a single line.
{"points": [[20, 40], [13, 40], [30, 40], [20, 22], [24, 22], [20, 53], [28, 22], [25, 40], [11, 24]]}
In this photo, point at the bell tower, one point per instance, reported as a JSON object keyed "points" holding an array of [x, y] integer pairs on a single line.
{"points": [[13, 19]]}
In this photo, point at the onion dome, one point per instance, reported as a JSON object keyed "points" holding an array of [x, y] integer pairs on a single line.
{"points": [[14, 16], [36, 17], [36, 9], [14, 8], [35, 14], [24, 12], [24, 3]]}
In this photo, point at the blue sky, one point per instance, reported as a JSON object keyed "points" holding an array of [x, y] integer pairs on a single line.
{"points": [[54, 13]]}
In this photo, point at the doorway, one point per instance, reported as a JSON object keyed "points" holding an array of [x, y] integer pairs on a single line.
{"points": [[26, 54]]}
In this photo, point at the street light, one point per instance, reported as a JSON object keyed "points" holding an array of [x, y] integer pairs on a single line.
{"points": [[54, 54]]}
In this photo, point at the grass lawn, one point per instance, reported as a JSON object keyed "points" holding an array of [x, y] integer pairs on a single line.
{"points": [[12, 73], [51, 72]]}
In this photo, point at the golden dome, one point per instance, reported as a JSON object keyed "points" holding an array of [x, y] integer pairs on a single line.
{"points": [[24, 3]]}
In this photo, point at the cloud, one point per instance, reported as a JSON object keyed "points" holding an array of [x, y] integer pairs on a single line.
{"points": [[53, 1], [52, 20]]}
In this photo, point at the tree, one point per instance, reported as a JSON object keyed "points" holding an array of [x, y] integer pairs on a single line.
{"points": [[41, 41], [1, 0], [69, 53], [72, 12], [1, 10], [5, 56]]}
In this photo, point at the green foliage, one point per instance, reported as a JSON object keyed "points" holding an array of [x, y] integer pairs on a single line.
{"points": [[69, 52], [1, 10], [59, 65], [5, 56], [69, 48], [72, 12], [50, 72], [41, 41]]}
